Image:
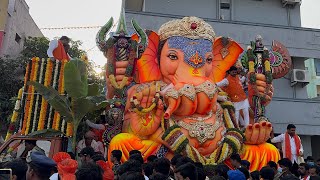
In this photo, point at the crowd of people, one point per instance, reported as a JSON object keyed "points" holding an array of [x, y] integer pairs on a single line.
{"points": [[91, 164]]}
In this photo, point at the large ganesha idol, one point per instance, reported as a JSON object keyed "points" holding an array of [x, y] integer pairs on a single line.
{"points": [[175, 106]]}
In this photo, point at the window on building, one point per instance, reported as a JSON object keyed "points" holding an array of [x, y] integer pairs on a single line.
{"points": [[225, 9], [18, 38], [317, 66]]}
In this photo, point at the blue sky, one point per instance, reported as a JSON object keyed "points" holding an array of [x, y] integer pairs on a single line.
{"points": [[75, 13]]}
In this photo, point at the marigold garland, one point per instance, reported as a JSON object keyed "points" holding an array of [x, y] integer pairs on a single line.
{"points": [[35, 116], [34, 78], [54, 85], [69, 129], [29, 95], [44, 103], [14, 115]]}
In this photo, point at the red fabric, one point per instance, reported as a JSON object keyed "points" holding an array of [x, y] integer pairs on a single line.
{"points": [[60, 53], [60, 156], [288, 145], [99, 133], [234, 89], [107, 171]]}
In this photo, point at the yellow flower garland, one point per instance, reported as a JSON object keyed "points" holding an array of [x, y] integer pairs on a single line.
{"points": [[15, 113], [44, 103], [69, 129], [115, 84]]}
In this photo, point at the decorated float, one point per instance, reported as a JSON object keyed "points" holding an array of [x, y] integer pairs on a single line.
{"points": [[162, 86]]}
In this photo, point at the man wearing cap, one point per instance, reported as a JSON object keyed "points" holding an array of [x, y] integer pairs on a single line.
{"points": [[31, 146], [39, 167], [86, 155], [58, 49], [232, 85]]}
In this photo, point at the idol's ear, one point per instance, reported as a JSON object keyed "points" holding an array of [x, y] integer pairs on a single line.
{"points": [[280, 60], [226, 52], [147, 67]]}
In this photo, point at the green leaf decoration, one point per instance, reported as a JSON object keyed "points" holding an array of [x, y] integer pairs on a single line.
{"points": [[93, 90], [75, 79], [58, 102], [46, 133]]}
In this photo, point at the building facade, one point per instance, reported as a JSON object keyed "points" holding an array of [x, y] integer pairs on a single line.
{"points": [[242, 20], [16, 25]]}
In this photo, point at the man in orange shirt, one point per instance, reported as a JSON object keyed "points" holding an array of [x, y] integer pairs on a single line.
{"points": [[58, 49], [232, 85]]}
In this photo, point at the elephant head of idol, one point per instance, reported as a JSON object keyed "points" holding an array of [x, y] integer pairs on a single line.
{"points": [[185, 50]]}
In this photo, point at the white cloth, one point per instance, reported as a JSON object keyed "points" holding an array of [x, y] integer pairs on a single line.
{"points": [[82, 144], [281, 139], [52, 46], [54, 176], [302, 178], [146, 177], [100, 147]]}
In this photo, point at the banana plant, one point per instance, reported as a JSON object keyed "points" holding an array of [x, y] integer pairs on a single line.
{"points": [[82, 97]]}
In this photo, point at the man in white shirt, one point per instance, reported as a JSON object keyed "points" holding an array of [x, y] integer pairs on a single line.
{"points": [[87, 142], [291, 144]]}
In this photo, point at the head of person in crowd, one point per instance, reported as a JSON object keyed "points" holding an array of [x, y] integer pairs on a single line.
{"points": [[303, 169], [67, 169], [134, 152], [236, 175], [235, 160], [130, 165], [255, 175], [313, 170], [318, 162], [162, 165], [89, 171], [273, 166], [267, 173], [291, 129], [65, 40], [30, 144], [186, 171], [245, 164], [285, 165], [18, 167], [39, 167], [136, 157], [158, 176], [200, 173], [131, 175], [245, 172], [222, 170], [72, 155], [86, 154], [98, 157], [115, 156], [184, 160], [151, 158], [174, 160], [147, 169], [88, 138]]}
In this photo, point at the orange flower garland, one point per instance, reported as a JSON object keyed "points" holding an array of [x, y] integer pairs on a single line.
{"points": [[34, 78], [44, 103], [69, 129], [61, 91], [27, 106]]}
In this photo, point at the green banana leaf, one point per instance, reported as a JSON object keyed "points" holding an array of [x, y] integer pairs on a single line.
{"points": [[75, 79], [93, 90], [58, 102], [81, 106], [46, 133]]}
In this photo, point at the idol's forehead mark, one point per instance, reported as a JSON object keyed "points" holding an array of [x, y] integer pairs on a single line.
{"points": [[191, 48]]}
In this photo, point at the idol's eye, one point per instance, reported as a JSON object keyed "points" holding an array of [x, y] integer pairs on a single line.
{"points": [[173, 56], [209, 59]]}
